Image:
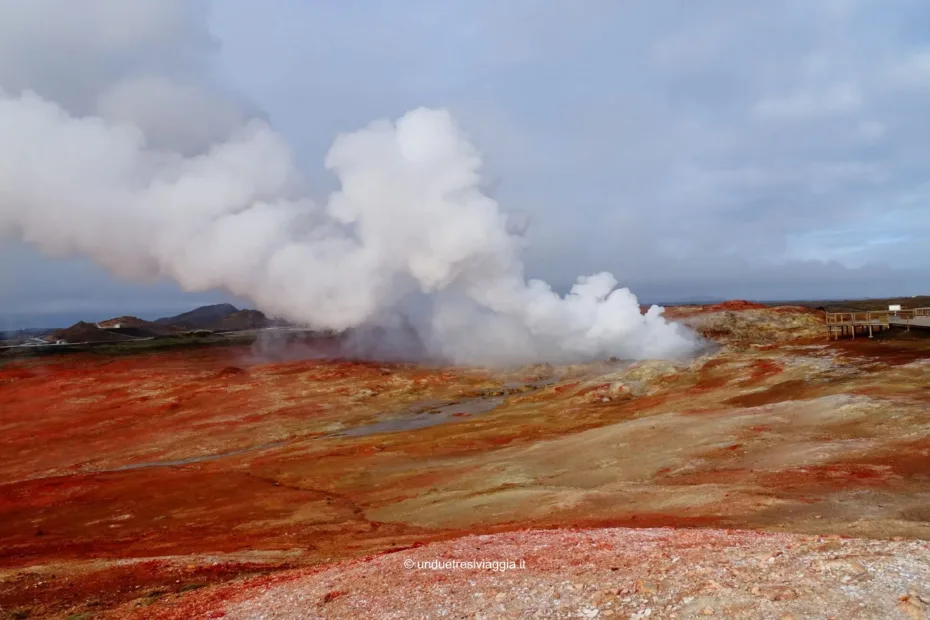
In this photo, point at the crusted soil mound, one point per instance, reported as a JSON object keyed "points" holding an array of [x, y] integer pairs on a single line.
{"points": [[751, 326], [622, 573], [736, 304], [733, 304]]}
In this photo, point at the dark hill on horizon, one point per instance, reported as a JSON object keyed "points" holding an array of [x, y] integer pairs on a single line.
{"points": [[245, 319], [219, 317], [82, 331], [203, 317], [118, 329], [213, 318], [137, 328]]}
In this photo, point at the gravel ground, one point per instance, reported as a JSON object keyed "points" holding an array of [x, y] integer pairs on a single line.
{"points": [[607, 573]]}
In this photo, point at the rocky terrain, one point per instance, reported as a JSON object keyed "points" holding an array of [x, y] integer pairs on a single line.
{"points": [[603, 573], [167, 483]]}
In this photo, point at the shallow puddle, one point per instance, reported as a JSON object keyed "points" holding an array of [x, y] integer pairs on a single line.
{"points": [[439, 415], [433, 413]]}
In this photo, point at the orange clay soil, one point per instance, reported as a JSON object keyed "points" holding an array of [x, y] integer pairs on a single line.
{"points": [[127, 482]]}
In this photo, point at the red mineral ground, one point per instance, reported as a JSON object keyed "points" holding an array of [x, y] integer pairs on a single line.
{"points": [[195, 481]]}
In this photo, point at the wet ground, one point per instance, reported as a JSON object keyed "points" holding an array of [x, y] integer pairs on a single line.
{"points": [[440, 414], [127, 482]]}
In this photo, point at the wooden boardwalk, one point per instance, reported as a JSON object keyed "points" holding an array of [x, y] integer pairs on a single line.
{"points": [[918, 317], [852, 323]]}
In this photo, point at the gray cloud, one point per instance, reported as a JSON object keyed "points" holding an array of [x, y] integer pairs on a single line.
{"points": [[153, 171], [768, 150]]}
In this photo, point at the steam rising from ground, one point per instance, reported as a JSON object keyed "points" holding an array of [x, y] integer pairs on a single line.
{"points": [[154, 172]]}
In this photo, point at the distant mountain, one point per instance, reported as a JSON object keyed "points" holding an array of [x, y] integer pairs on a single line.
{"points": [[29, 332], [218, 317], [86, 332], [215, 318], [24, 336], [137, 328], [204, 317], [244, 319]]}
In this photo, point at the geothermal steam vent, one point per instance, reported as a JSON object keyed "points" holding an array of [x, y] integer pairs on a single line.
{"points": [[213, 199]]}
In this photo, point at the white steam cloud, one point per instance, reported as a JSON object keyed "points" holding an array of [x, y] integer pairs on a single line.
{"points": [[140, 162]]}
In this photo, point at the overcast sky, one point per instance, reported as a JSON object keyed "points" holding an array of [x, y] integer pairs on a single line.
{"points": [[722, 148]]}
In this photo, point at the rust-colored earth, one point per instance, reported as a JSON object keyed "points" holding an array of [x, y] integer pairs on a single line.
{"points": [[127, 482]]}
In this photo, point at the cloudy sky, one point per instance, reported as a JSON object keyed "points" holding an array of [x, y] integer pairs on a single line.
{"points": [[721, 148]]}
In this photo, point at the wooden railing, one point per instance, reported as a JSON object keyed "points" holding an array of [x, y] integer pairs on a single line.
{"points": [[851, 323], [874, 317], [912, 313]]}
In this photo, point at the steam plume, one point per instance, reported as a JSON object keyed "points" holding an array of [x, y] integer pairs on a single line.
{"points": [[152, 171]]}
